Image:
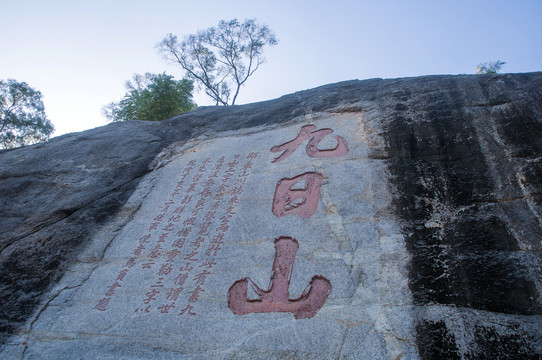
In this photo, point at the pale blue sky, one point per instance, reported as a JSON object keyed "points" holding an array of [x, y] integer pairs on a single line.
{"points": [[79, 54]]}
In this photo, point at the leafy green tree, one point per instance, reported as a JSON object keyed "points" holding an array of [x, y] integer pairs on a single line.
{"points": [[222, 58], [491, 67], [22, 115], [152, 97]]}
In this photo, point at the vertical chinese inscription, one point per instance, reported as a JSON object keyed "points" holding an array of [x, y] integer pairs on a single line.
{"points": [[166, 251], [289, 199], [181, 244], [228, 189], [143, 241]]}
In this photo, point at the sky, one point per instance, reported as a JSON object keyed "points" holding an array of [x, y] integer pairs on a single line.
{"points": [[79, 54]]}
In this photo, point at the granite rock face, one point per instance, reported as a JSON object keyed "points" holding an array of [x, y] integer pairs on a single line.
{"points": [[375, 219]]}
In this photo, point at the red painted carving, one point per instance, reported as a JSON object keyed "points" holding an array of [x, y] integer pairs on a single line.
{"points": [[112, 289], [277, 298], [122, 274], [188, 308], [174, 293], [224, 182], [102, 304], [164, 308], [180, 279], [130, 263], [315, 136], [165, 269], [144, 239], [302, 202], [191, 257], [151, 295], [208, 263], [143, 309], [194, 295], [213, 250]]}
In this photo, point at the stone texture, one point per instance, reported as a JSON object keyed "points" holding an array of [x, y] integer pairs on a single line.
{"points": [[428, 229]]}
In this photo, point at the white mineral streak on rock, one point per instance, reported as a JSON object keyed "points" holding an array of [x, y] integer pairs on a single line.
{"points": [[497, 156]]}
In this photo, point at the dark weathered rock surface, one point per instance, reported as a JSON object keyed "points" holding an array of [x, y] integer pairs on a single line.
{"points": [[463, 161], [460, 157]]}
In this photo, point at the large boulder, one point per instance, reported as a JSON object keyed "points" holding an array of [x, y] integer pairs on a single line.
{"points": [[385, 219]]}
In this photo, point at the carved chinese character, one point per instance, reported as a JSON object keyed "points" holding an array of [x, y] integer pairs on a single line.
{"points": [[226, 177], [188, 308], [213, 250], [315, 137], [203, 228], [277, 298], [159, 217], [163, 237], [196, 178], [174, 293], [210, 215], [158, 283], [303, 202], [174, 218], [201, 277], [151, 295], [122, 274], [194, 295], [172, 254], [147, 265], [137, 251], [179, 210], [102, 304], [197, 243], [184, 231], [130, 263], [143, 309], [190, 221], [191, 256], [112, 289], [155, 252], [208, 263], [179, 242], [223, 226], [218, 238], [164, 308], [215, 206], [144, 239], [180, 279], [165, 269]]}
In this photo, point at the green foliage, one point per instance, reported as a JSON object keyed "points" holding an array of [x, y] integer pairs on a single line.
{"points": [[22, 115], [221, 58], [491, 67], [152, 97]]}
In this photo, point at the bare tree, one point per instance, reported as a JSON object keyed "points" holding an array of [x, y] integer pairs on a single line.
{"points": [[221, 58]]}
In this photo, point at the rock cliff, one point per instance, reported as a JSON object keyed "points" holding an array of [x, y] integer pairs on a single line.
{"points": [[397, 218]]}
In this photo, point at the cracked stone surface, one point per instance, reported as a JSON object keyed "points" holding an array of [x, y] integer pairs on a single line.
{"points": [[422, 240]]}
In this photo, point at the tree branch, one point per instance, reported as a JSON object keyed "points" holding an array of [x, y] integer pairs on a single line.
{"points": [[222, 58]]}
